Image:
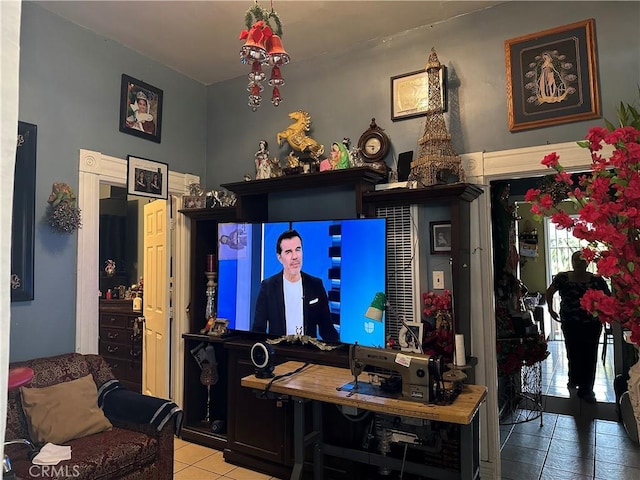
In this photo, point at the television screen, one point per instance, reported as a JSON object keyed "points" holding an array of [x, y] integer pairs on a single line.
{"points": [[347, 256]]}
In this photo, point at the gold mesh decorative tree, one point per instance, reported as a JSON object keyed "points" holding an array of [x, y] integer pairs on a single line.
{"points": [[437, 162]]}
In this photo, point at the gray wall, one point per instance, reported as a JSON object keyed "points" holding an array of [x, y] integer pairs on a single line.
{"points": [[70, 88], [342, 91], [70, 85]]}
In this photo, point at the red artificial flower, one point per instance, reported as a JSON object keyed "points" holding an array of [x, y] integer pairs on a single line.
{"points": [[532, 194], [608, 206], [551, 160]]}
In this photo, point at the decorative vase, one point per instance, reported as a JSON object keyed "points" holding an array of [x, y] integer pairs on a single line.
{"points": [[630, 400]]}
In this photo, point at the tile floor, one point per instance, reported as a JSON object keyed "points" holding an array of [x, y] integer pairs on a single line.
{"points": [[195, 462], [571, 447], [555, 376]]}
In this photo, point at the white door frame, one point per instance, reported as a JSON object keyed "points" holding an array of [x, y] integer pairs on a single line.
{"points": [[95, 168], [482, 169]]}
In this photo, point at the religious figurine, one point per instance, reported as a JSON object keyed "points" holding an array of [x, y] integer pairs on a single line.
{"points": [[263, 164]]}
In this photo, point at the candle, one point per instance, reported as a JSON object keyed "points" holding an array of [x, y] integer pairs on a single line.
{"points": [[461, 358], [210, 260]]}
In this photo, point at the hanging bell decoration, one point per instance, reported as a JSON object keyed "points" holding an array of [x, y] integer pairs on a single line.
{"points": [[263, 46], [255, 89], [276, 77], [254, 48], [275, 97], [256, 74], [276, 54]]}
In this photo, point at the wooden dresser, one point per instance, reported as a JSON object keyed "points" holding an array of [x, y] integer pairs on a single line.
{"points": [[119, 343]]}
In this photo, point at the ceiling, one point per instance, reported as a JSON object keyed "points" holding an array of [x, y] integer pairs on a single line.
{"points": [[200, 38]]}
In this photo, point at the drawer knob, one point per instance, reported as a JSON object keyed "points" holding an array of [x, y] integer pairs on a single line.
{"points": [[112, 335], [111, 349]]}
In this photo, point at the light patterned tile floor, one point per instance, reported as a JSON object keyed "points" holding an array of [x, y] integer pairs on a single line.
{"points": [[195, 462]]}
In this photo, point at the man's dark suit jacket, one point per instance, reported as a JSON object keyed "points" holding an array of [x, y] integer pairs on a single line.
{"points": [[270, 308]]}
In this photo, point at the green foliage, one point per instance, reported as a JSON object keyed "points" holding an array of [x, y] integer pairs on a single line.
{"points": [[257, 13], [628, 116]]}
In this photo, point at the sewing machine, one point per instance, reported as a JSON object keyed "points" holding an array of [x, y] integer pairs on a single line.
{"points": [[421, 375]]}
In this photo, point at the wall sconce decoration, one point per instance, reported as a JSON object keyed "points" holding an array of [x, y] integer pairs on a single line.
{"points": [[263, 47], [62, 214]]}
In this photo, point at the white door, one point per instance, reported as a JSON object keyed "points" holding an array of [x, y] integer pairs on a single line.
{"points": [[156, 351]]}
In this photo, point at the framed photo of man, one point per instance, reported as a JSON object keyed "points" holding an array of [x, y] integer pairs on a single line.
{"points": [[140, 109], [147, 178], [440, 237]]}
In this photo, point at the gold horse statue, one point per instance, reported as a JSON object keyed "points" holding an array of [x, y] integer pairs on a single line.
{"points": [[296, 137]]}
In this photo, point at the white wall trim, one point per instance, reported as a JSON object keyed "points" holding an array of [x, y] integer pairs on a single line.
{"points": [[95, 168]]}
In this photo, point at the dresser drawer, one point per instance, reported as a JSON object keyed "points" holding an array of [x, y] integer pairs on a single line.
{"points": [[119, 350], [117, 320], [118, 335]]}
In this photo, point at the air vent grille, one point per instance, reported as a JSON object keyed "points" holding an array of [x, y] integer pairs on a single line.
{"points": [[401, 277]]}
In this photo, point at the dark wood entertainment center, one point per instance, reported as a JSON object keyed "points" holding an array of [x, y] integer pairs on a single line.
{"points": [[257, 433]]}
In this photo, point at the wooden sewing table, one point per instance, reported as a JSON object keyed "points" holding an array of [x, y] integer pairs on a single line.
{"points": [[321, 384]]}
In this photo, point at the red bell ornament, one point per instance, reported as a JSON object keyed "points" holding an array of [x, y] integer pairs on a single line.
{"points": [[275, 97], [256, 74], [254, 48], [255, 89], [276, 77], [276, 54]]}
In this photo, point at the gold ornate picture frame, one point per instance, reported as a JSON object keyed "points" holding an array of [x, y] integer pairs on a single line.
{"points": [[410, 94], [552, 76]]}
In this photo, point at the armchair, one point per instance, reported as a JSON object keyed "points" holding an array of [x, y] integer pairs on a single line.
{"points": [[130, 448]]}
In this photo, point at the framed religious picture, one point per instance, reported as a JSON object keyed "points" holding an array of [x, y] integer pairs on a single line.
{"points": [[147, 178], [552, 77], [410, 94], [140, 109], [440, 237]]}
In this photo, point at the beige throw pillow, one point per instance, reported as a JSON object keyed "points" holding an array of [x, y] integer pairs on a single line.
{"points": [[62, 412]]}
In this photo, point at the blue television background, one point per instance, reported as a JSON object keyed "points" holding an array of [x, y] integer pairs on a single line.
{"points": [[362, 266]]}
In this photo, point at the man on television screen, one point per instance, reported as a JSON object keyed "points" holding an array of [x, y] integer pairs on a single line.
{"points": [[292, 301]]}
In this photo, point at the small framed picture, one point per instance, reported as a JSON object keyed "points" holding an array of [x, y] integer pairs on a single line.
{"points": [[193, 201], [410, 94], [440, 237], [140, 109], [410, 337], [147, 178], [219, 327]]}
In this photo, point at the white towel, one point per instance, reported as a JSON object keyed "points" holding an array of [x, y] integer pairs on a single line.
{"points": [[52, 454]]}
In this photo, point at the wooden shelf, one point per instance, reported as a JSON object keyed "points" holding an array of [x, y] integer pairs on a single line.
{"points": [[226, 214], [332, 178], [253, 196], [403, 196]]}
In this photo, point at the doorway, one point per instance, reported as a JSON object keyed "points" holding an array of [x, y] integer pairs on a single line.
{"points": [[95, 169], [542, 251]]}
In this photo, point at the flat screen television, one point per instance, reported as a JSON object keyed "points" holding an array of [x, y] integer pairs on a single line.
{"points": [[348, 255]]}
